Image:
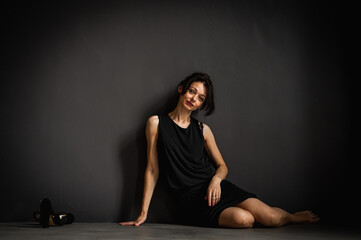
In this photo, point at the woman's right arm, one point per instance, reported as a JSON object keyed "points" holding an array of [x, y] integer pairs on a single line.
{"points": [[152, 170]]}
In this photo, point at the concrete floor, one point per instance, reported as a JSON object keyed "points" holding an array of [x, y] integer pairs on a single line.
{"points": [[28, 230]]}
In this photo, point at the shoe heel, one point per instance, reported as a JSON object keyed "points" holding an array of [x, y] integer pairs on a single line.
{"points": [[44, 219], [45, 211]]}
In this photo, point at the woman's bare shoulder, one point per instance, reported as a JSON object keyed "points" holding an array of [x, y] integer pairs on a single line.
{"points": [[205, 126], [152, 123], [153, 120], [207, 132]]}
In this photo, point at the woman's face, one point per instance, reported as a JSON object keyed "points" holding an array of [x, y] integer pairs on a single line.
{"points": [[194, 97]]}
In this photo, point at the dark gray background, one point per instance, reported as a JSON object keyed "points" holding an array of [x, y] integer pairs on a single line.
{"points": [[79, 81]]}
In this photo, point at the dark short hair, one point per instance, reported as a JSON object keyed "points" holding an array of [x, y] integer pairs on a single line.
{"points": [[208, 104]]}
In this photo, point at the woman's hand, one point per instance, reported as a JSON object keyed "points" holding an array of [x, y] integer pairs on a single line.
{"points": [[214, 191], [141, 219]]}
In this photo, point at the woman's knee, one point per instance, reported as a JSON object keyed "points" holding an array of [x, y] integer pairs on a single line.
{"points": [[236, 218], [245, 218]]}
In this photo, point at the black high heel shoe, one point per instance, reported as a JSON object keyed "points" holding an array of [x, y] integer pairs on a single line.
{"points": [[46, 212]]}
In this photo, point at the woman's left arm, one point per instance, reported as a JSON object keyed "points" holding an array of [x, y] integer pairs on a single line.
{"points": [[214, 189]]}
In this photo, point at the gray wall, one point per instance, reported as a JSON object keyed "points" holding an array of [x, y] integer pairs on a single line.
{"points": [[81, 79]]}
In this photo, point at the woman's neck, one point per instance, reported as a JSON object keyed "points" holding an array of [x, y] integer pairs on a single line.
{"points": [[181, 115]]}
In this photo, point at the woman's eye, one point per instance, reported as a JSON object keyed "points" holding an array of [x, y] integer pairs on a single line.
{"points": [[191, 91], [201, 99]]}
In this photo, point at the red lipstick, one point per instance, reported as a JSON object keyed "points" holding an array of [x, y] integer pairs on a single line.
{"points": [[189, 103]]}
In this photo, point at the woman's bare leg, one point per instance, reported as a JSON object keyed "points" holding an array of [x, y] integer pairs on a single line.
{"points": [[275, 217], [235, 217]]}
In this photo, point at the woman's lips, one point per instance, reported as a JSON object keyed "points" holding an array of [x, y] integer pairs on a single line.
{"points": [[189, 103]]}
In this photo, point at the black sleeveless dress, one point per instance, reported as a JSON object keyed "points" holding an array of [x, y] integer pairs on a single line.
{"points": [[186, 169]]}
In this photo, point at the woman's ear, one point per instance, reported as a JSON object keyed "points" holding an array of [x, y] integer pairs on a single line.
{"points": [[180, 88]]}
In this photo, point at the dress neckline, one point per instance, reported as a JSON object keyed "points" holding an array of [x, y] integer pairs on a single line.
{"points": [[180, 126]]}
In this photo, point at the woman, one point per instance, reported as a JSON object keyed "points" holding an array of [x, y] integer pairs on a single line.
{"points": [[183, 152]]}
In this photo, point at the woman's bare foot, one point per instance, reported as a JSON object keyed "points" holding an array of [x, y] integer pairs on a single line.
{"points": [[304, 217]]}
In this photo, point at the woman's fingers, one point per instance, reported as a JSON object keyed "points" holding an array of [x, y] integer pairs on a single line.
{"points": [[213, 193], [141, 219], [210, 198], [132, 223], [218, 197], [213, 198], [127, 223]]}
